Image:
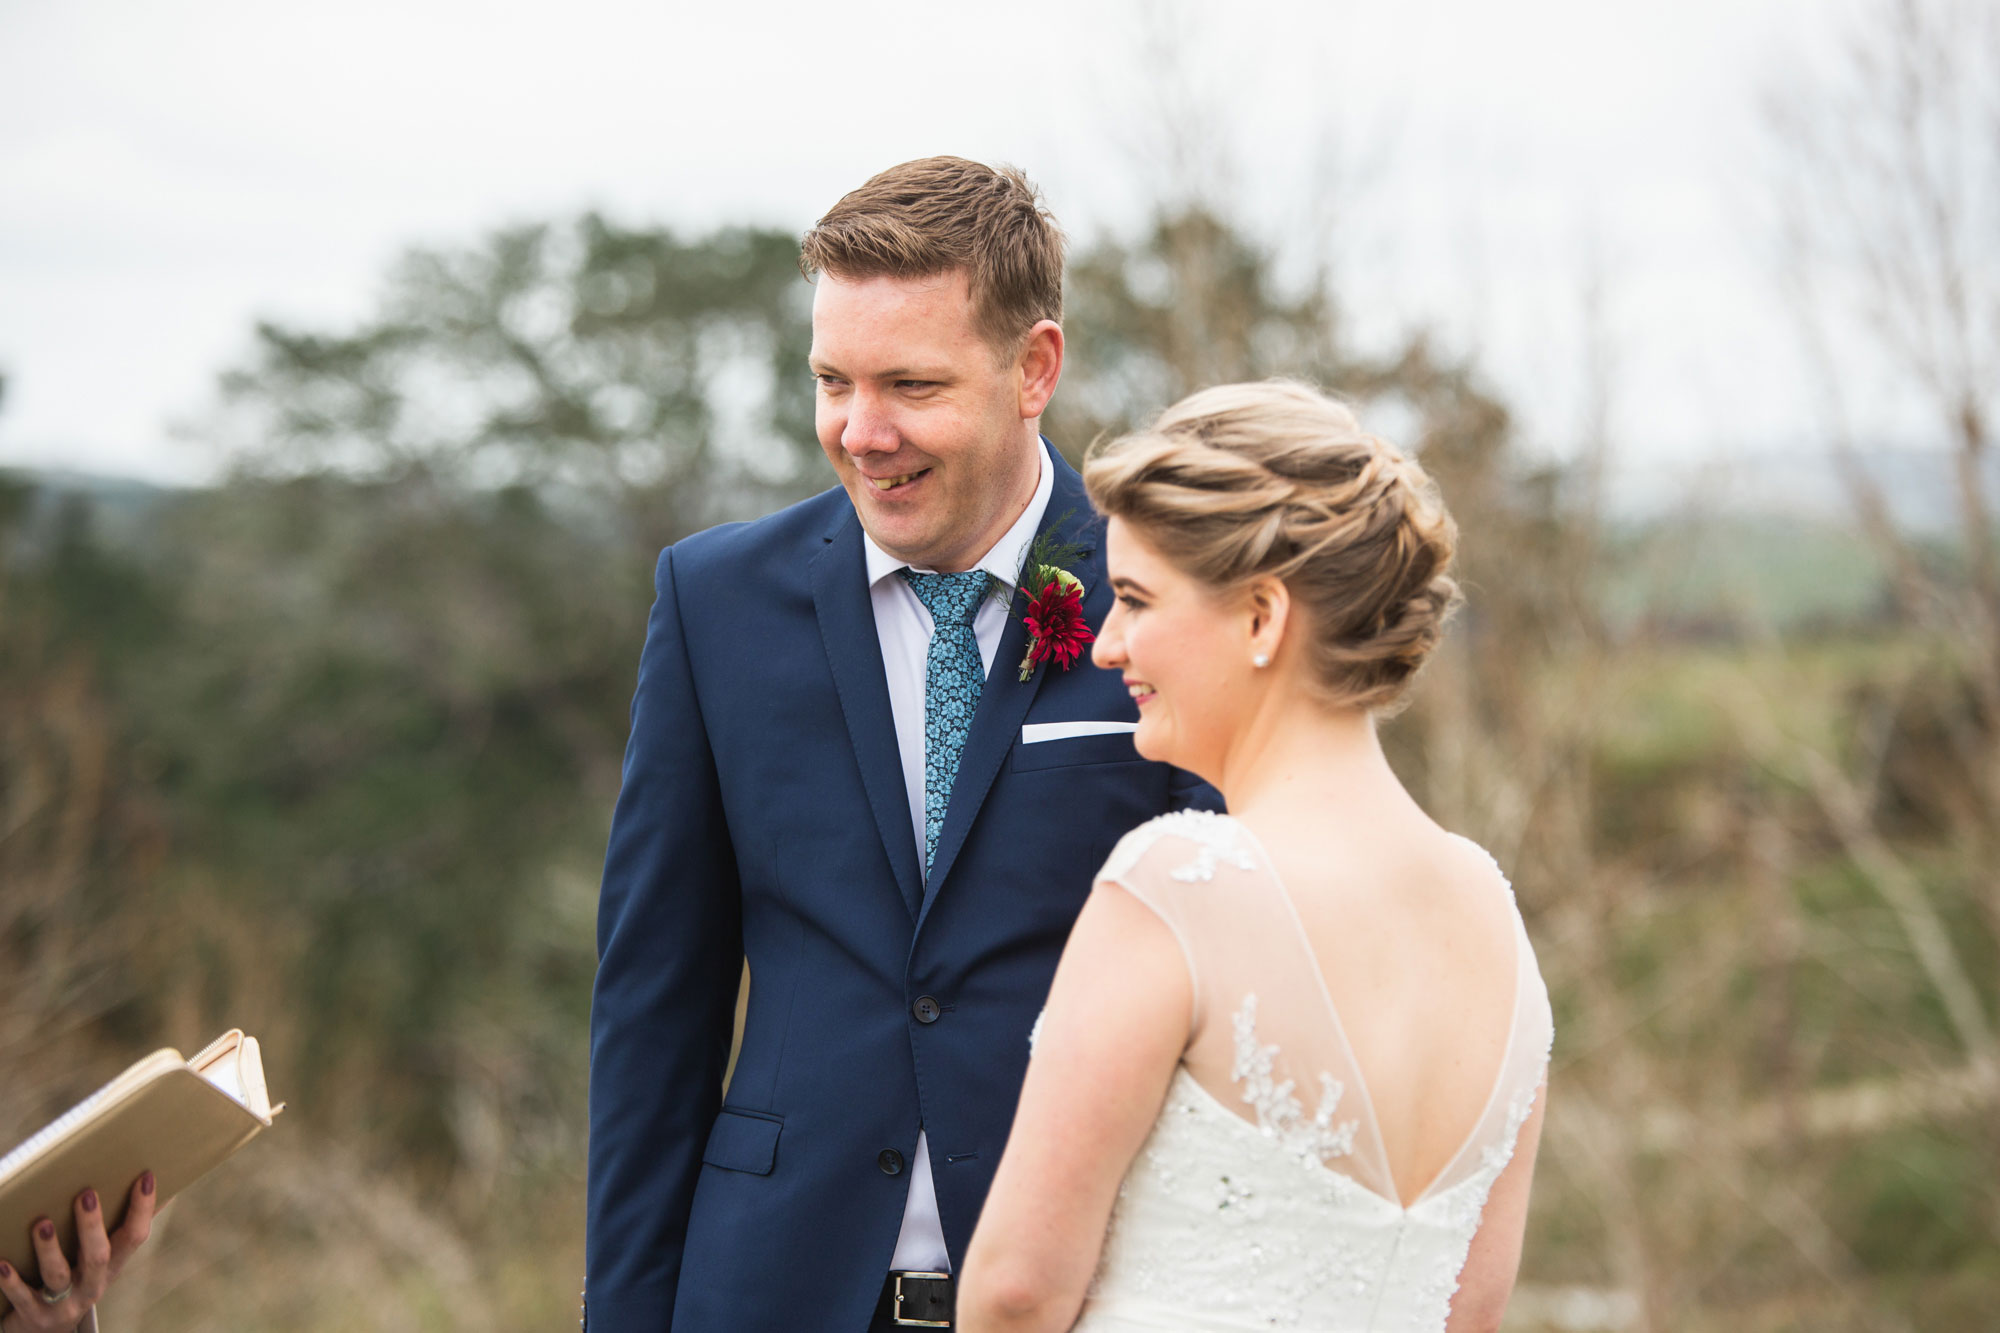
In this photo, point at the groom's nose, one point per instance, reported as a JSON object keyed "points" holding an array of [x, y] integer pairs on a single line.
{"points": [[868, 429]]}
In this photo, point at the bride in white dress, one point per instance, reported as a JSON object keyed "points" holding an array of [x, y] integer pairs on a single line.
{"points": [[1290, 1071]]}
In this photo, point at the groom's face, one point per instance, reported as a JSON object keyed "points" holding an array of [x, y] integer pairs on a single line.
{"points": [[924, 420]]}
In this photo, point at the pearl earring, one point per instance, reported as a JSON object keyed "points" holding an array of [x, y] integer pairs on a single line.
{"points": [[1262, 659]]}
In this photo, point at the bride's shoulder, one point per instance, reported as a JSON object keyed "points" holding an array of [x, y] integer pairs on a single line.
{"points": [[1473, 851], [1190, 843], [1469, 907], [1477, 873]]}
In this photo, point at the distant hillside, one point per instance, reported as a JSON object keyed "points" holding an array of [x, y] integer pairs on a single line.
{"points": [[122, 509], [1921, 487], [1762, 540], [1725, 574]]}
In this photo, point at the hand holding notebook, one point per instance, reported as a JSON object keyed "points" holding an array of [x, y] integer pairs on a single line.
{"points": [[67, 1299], [165, 1121]]}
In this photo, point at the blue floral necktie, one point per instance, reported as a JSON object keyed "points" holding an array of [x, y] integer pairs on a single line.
{"points": [[953, 675]]}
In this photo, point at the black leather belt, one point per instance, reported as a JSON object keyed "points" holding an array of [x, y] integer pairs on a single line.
{"points": [[917, 1300]]}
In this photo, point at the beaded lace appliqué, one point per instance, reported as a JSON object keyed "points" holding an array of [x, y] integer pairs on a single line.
{"points": [[1461, 1206], [1280, 1115]]}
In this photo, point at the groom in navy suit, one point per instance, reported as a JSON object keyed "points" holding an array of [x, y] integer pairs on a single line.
{"points": [[836, 771]]}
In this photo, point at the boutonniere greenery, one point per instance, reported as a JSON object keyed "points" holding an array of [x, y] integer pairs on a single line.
{"points": [[1056, 628]]}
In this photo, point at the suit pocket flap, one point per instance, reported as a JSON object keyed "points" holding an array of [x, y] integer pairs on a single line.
{"points": [[741, 1142]]}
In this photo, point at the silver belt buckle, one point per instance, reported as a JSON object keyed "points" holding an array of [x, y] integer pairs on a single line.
{"points": [[916, 1323]]}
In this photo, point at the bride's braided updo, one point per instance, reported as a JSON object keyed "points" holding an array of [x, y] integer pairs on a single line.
{"points": [[1246, 480]]}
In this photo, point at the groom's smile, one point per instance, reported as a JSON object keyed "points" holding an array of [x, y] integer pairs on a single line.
{"points": [[930, 427], [892, 483]]}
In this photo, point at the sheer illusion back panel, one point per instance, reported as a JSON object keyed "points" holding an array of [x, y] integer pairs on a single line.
{"points": [[1265, 1039], [1262, 1197]]}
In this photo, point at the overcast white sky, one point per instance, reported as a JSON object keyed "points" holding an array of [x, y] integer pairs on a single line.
{"points": [[170, 173]]}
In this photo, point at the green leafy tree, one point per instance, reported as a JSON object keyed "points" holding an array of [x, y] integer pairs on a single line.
{"points": [[419, 602], [655, 381]]}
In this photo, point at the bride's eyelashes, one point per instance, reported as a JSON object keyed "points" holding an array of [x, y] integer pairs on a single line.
{"points": [[1131, 603]]}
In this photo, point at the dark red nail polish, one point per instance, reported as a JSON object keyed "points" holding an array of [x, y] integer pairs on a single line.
{"points": [[90, 1201], [146, 1184], [6, 1270], [47, 1230]]}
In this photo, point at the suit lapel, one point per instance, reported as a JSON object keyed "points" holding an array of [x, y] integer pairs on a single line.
{"points": [[847, 626], [1004, 700]]}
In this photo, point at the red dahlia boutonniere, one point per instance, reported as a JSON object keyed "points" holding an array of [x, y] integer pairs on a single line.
{"points": [[1056, 628]]}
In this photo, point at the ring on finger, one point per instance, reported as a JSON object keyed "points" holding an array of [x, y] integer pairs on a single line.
{"points": [[54, 1297]]}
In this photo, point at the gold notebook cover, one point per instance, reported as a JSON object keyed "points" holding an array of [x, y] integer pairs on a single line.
{"points": [[176, 1118]]}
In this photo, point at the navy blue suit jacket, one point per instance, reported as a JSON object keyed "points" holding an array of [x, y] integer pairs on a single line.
{"points": [[763, 816]]}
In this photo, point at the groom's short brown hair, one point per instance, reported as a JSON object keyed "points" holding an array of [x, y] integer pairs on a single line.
{"points": [[939, 214]]}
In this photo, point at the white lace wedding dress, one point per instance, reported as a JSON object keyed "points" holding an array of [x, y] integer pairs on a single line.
{"points": [[1263, 1198]]}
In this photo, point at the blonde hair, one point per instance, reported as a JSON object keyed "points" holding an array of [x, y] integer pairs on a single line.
{"points": [[940, 214], [1244, 481]]}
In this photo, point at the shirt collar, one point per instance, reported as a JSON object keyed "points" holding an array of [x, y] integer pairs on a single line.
{"points": [[1003, 561]]}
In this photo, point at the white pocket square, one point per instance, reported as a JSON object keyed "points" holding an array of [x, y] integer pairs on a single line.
{"points": [[1056, 731]]}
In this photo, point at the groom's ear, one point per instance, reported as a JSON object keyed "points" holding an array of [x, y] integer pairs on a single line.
{"points": [[1038, 367]]}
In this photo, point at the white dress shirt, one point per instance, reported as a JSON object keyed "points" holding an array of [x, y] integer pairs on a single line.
{"points": [[903, 627]]}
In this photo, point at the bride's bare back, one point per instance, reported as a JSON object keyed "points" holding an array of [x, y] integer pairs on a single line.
{"points": [[1367, 1037], [1379, 959], [1412, 929]]}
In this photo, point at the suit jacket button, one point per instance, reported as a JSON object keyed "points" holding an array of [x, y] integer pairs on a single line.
{"points": [[890, 1161], [926, 1009]]}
